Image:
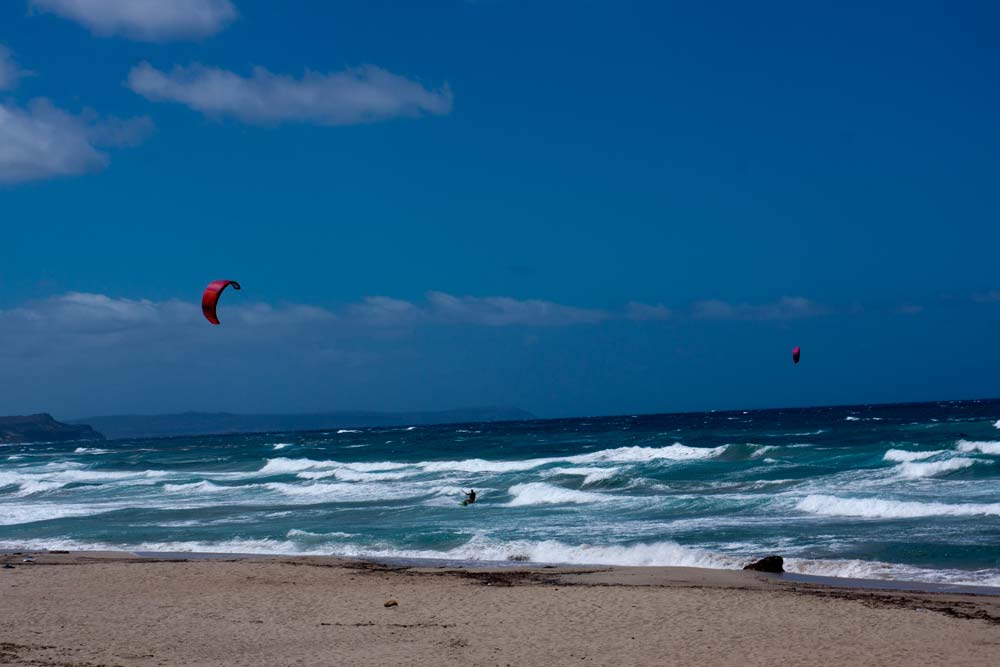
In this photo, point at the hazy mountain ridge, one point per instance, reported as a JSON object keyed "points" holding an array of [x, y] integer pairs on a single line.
{"points": [[43, 428], [204, 423]]}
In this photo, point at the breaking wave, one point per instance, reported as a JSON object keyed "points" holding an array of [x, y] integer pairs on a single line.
{"points": [[902, 455], [540, 493], [983, 447], [590, 475], [634, 455], [876, 508], [868, 569], [620, 491], [195, 487], [930, 469]]}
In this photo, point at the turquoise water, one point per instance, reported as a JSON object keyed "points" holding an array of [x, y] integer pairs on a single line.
{"points": [[904, 491]]}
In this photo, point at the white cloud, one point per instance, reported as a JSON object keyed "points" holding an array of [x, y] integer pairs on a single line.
{"points": [[359, 95], [992, 296], [145, 20], [495, 311], [41, 141], [10, 73], [75, 322], [505, 311], [383, 310], [644, 311], [786, 308], [97, 319]]}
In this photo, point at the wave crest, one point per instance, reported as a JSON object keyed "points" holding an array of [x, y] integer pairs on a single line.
{"points": [[540, 493], [990, 447], [877, 508], [918, 470], [905, 456]]}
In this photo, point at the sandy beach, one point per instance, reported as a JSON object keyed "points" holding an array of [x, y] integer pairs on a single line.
{"points": [[85, 609]]}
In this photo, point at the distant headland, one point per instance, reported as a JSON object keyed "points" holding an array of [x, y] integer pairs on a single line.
{"points": [[43, 428], [205, 423]]}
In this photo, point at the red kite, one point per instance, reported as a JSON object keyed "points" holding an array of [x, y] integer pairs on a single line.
{"points": [[210, 299]]}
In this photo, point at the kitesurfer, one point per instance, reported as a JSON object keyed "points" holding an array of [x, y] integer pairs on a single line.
{"points": [[470, 497]]}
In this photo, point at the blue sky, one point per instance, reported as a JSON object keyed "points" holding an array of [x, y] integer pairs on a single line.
{"points": [[573, 207]]}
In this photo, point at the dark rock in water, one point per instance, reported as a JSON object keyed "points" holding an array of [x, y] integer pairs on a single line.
{"points": [[43, 428], [391, 603], [775, 564]]}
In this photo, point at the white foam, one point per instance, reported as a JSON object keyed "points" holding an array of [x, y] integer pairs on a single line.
{"points": [[877, 508], [346, 492], [305, 535], [89, 450], [285, 466], [11, 514], [665, 553], [760, 451], [482, 465], [919, 470], [540, 493], [347, 430], [197, 487], [852, 419], [864, 569], [996, 424], [674, 452], [31, 487], [281, 445], [902, 455], [590, 475], [982, 446], [480, 548], [348, 475], [55, 475]]}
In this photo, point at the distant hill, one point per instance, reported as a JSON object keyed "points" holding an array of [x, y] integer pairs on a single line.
{"points": [[204, 423], [43, 428]]}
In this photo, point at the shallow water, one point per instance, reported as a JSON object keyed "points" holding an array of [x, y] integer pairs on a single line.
{"points": [[903, 492]]}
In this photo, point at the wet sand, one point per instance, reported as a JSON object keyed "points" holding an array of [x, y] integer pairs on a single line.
{"points": [[87, 609]]}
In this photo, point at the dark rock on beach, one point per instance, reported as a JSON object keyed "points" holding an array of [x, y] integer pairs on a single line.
{"points": [[43, 428], [775, 564]]}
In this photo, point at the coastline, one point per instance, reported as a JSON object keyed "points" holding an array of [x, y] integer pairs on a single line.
{"points": [[84, 608], [465, 564]]}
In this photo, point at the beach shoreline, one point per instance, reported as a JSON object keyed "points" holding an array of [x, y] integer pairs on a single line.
{"points": [[119, 608], [467, 564]]}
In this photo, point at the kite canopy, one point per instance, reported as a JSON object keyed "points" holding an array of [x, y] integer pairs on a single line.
{"points": [[210, 299], [796, 352]]}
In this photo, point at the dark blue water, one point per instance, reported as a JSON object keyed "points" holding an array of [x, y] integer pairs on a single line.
{"points": [[904, 491]]}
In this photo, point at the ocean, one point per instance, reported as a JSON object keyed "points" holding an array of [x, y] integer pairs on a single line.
{"points": [[908, 492]]}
